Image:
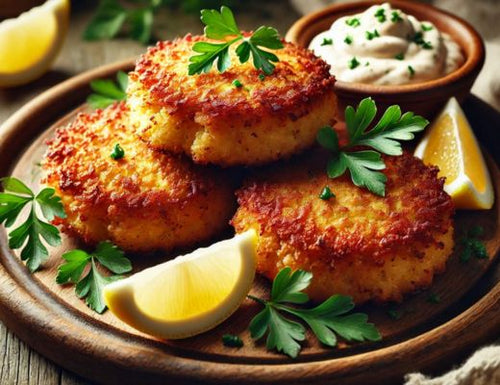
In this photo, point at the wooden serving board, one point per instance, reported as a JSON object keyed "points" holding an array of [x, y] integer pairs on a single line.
{"points": [[51, 319]]}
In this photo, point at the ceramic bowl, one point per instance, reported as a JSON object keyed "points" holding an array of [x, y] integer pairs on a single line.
{"points": [[425, 98]]}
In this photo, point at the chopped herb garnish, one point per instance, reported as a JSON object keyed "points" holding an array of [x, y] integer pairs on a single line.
{"points": [[383, 138], [29, 234], [221, 26], [353, 63], [411, 71], [367, 64], [396, 17], [394, 314], [118, 152], [232, 341], [262, 77], [326, 320], [427, 45], [472, 245], [380, 15], [400, 56], [348, 39], [418, 39], [237, 83], [354, 22], [107, 91], [326, 193], [327, 41], [91, 285], [426, 27], [372, 35], [433, 298]]}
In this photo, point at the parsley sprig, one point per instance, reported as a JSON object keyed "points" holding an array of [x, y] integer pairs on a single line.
{"points": [[91, 285], [326, 320], [106, 91], [222, 26], [30, 234], [383, 138], [111, 17]]}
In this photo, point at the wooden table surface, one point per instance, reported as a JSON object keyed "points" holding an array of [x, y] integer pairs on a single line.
{"points": [[19, 364]]}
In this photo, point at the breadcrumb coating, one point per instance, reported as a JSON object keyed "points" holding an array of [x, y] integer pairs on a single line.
{"points": [[357, 243], [213, 121], [148, 200]]}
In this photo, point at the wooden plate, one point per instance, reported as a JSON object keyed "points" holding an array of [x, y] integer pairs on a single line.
{"points": [[54, 322]]}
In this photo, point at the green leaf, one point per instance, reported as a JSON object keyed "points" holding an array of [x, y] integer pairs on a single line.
{"points": [[262, 59], [111, 257], [34, 251], [357, 121], [336, 167], [361, 165], [141, 24], [325, 320], [385, 135], [218, 25], [107, 88], [283, 333], [287, 286], [50, 204], [97, 101], [107, 91], [90, 288], [15, 185], [122, 79], [209, 53], [72, 270], [10, 207], [327, 138], [329, 318], [107, 21], [267, 37]]}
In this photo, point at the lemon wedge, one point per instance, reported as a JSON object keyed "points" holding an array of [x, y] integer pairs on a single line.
{"points": [[451, 145], [30, 43], [190, 294]]}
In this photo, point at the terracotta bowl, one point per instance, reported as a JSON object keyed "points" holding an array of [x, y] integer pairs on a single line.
{"points": [[425, 98]]}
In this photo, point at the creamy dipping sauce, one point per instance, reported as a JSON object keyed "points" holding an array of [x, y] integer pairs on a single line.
{"points": [[384, 46]]}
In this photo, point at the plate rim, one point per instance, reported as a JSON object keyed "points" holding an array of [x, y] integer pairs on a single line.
{"points": [[21, 312]]}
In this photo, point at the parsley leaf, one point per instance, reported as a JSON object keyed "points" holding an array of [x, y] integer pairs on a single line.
{"points": [[222, 25], [33, 231], [111, 18], [91, 285], [384, 137], [107, 91], [326, 320]]}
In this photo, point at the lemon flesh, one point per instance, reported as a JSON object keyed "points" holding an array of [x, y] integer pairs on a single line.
{"points": [[451, 145], [190, 294], [30, 43]]}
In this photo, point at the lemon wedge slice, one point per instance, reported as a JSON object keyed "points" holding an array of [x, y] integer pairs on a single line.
{"points": [[30, 43], [451, 145], [190, 294]]}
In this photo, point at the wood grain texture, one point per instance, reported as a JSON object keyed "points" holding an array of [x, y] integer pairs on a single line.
{"points": [[52, 320], [21, 365], [78, 56]]}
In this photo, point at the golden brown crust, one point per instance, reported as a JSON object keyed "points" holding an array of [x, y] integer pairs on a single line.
{"points": [[212, 121], [354, 230], [103, 196], [298, 79]]}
